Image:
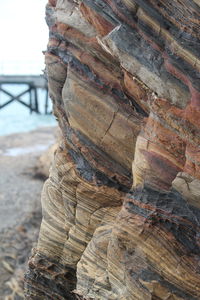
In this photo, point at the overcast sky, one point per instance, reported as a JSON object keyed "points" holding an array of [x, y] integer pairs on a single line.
{"points": [[24, 35]]}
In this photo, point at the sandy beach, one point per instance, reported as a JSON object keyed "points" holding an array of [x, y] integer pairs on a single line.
{"points": [[20, 208]]}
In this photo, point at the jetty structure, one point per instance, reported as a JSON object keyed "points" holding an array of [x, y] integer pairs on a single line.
{"points": [[31, 83]]}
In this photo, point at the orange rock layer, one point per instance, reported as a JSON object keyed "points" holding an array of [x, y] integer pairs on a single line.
{"points": [[121, 207]]}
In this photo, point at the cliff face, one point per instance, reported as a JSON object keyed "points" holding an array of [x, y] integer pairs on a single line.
{"points": [[121, 207]]}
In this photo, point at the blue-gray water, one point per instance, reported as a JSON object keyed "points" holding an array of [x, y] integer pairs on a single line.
{"points": [[16, 118]]}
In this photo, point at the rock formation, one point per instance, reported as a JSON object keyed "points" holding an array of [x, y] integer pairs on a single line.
{"points": [[121, 207]]}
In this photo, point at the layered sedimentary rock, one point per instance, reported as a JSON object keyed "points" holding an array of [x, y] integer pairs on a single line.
{"points": [[121, 208]]}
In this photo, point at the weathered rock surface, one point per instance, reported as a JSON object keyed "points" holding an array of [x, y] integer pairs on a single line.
{"points": [[45, 160], [118, 219]]}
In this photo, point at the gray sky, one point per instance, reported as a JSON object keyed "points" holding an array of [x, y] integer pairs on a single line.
{"points": [[24, 35]]}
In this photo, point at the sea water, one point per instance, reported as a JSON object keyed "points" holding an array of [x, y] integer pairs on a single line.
{"points": [[15, 117]]}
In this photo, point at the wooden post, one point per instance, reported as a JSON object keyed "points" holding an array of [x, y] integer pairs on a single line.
{"points": [[46, 101], [31, 101], [36, 100]]}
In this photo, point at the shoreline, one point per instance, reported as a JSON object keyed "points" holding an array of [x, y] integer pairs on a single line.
{"points": [[20, 207]]}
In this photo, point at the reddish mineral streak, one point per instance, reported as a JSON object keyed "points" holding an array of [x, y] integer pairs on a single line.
{"points": [[53, 3], [159, 164], [102, 26], [195, 95]]}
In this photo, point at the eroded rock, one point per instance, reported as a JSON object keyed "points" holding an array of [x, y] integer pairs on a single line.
{"points": [[124, 80]]}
